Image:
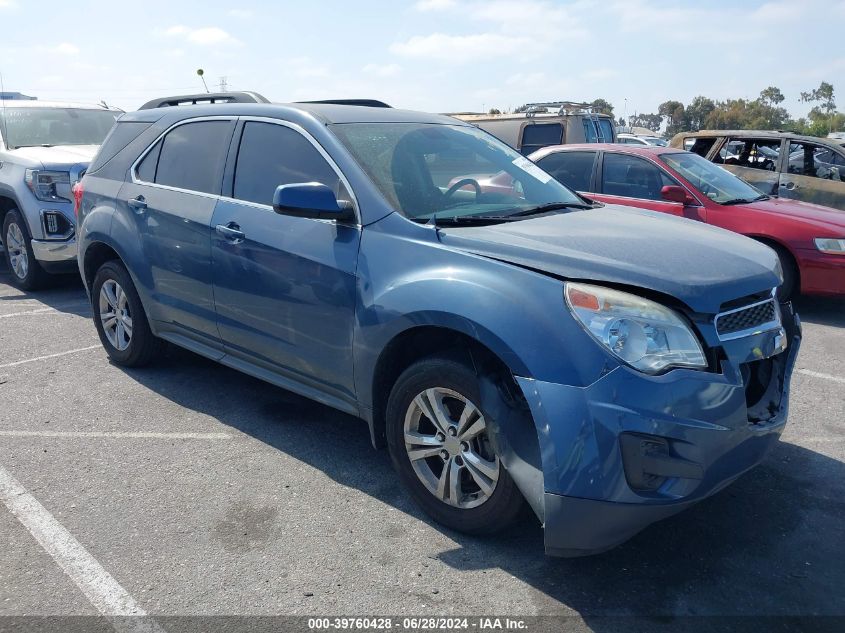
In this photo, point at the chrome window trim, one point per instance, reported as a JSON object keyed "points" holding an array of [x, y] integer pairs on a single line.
{"points": [[294, 126], [320, 149], [757, 329]]}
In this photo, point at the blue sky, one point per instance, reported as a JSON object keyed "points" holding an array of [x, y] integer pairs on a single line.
{"points": [[436, 55]]}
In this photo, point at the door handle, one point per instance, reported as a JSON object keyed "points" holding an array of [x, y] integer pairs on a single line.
{"points": [[791, 186], [231, 232], [137, 204]]}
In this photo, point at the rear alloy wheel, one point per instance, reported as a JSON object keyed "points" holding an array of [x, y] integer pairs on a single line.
{"points": [[120, 319], [27, 273], [441, 445]]}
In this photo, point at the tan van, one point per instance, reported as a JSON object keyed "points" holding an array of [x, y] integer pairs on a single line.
{"points": [[545, 124]]}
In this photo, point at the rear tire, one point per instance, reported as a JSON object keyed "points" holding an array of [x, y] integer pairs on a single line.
{"points": [[120, 318], [455, 475], [25, 270]]}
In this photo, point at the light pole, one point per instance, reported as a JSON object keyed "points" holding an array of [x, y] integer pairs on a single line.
{"points": [[201, 72]]}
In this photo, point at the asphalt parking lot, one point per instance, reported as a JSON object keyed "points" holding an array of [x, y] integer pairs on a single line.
{"points": [[203, 491]]}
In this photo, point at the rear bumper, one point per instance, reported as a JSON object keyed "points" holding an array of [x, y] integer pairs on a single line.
{"points": [[632, 449], [821, 274], [56, 256]]}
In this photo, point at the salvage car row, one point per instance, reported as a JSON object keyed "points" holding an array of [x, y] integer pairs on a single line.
{"points": [[509, 340]]}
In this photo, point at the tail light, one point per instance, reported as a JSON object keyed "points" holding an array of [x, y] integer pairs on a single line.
{"points": [[77, 190]]}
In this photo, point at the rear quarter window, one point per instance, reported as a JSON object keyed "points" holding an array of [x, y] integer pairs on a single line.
{"points": [[123, 133]]}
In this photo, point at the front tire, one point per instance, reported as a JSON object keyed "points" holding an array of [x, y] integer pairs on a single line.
{"points": [[120, 318], [27, 273], [439, 442]]}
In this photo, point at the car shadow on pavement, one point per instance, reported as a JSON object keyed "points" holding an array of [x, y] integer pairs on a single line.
{"points": [[64, 293], [821, 310], [770, 544]]}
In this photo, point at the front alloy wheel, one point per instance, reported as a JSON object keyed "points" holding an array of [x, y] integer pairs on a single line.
{"points": [[448, 447], [115, 315], [16, 246], [441, 444]]}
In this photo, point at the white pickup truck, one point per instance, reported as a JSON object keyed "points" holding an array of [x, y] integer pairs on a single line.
{"points": [[45, 147]]}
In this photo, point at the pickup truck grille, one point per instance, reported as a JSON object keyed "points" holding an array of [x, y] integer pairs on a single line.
{"points": [[740, 321]]}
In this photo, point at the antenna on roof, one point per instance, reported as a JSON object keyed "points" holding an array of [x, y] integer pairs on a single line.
{"points": [[201, 72]]}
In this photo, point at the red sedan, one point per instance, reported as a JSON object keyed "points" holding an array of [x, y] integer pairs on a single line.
{"points": [[809, 239]]}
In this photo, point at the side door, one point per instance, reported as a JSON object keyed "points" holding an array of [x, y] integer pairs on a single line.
{"points": [[284, 287], [574, 169], [171, 196], [636, 182], [755, 160], [814, 173]]}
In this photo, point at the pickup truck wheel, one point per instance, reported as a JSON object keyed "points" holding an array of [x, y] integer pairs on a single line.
{"points": [[440, 445], [120, 319], [27, 273]]}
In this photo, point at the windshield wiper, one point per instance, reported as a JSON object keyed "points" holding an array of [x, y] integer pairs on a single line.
{"points": [[551, 206], [744, 200]]}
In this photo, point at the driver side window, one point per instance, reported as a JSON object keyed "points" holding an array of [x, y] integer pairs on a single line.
{"points": [[632, 177], [271, 155]]}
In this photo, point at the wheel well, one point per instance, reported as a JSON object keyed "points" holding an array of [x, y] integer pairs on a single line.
{"points": [[6, 205], [96, 255], [782, 248], [421, 342]]}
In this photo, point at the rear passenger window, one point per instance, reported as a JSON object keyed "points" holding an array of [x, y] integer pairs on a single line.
{"points": [[632, 177], [271, 155], [573, 169], [192, 156], [540, 135], [815, 161]]}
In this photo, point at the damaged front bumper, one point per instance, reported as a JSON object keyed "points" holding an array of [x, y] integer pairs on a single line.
{"points": [[631, 449]]}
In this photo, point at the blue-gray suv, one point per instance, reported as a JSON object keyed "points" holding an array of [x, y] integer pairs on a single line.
{"points": [[508, 340]]}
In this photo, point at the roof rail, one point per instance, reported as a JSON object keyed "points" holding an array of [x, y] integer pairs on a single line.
{"points": [[369, 103], [563, 107], [205, 98]]}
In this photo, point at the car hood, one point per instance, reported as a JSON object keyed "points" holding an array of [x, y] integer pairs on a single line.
{"points": [[700, 265], [58, 154], [806, 210]]}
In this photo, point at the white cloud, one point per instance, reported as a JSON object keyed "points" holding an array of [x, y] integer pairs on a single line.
{"points": [[64, 48], [202, 36], [386, 70], [8, 4], [460, 48], [434, 5]]}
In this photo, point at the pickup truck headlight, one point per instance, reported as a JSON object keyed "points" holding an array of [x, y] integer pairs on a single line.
{"points": [[831, 246], [43, 183], [644, 334]]}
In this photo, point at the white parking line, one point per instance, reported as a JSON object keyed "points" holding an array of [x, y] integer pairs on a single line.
{"points": [[817, 374], [101, 589], [56, 355], [17, 314], [118, 435]]}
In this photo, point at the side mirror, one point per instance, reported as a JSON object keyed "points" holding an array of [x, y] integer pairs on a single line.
{"points": [[311, 200], [674, 193]]}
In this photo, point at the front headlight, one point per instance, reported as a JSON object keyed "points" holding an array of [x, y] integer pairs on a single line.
{"points": [[644, 334], [831, 246], [43, 184]]}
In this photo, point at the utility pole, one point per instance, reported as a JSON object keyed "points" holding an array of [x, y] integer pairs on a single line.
{"points": [[223, 85]]}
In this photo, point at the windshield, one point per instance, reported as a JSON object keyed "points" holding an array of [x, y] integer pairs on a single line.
{"points": [[34, 127], [453, 171], [716, 183]]}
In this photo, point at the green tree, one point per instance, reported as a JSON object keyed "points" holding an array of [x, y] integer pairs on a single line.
{"points": [[650, 121], [675, 115], [494, 111], [771, 96], [697, 112], [827, 104], [602, 106]]}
